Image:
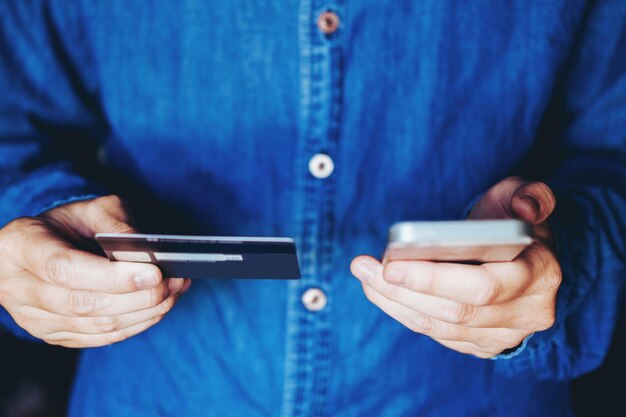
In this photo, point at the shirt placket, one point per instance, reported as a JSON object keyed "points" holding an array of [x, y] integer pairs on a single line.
{"points": [[308, 353]]}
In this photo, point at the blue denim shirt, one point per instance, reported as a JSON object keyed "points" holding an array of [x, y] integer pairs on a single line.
{"points": [[204, 115]]}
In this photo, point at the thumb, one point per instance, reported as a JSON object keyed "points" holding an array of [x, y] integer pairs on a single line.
{"points": [[83, 219], [533, 202], [109, 214], [516, 198]]}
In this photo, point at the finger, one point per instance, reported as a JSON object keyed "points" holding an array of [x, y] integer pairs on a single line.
{"points": [[543, 267], [72, 302], [416, 321], [479, 285], [467, 348], [58, 263], [176, 284], [108, 214], [495, 203], [533, 202], [444, 309], [485, 339], [56, 324], [37, 247], [515, 198], [526, 313], [509, 315], [186, 286], [77, 340]]}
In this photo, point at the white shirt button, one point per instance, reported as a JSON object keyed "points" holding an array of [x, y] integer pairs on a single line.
{"points": [[314, 299], [321, 165]]}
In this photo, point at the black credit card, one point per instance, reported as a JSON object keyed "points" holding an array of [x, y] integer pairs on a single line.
{"points": [[206, 256]]}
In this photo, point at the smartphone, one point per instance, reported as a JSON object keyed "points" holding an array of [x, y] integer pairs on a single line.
{"points": [[472, 241]]}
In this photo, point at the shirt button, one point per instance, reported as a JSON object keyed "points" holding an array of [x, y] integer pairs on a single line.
{"points": [[321, 165], [328, 22], [314, 299]]}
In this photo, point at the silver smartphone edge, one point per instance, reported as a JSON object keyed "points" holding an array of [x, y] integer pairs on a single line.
{"points": [[464, 232]]}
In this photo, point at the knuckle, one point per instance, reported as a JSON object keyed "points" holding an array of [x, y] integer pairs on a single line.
{"points": [[457, 313], [390, 291], [121, 335], [58, 267], [553, 281], [537, 317], [547, 320], [105, 324], [391, 271], [429, 278], [484, 343], [13, 231], [421, 324], [23, 321], [546, 275], [151, 298], [107, 202], [155, 296], [98, 207], [18, 225], [488, 292], [6, 239], [165, 306], [111, 281], [162, 293], [82, 303], [111, 206], [121, 227]]}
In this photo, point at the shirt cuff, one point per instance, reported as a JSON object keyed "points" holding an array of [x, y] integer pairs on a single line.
{"points": [[516, 351]]}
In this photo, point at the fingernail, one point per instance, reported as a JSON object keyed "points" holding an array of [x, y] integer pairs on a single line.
{"points": [[146, 279], [364, 270], [186, 286]]}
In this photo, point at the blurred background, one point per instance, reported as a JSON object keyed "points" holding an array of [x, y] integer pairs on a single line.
{"points": [[35, 379]]}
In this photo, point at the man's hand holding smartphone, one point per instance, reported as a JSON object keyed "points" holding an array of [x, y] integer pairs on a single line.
{"points": [[476, 309]]}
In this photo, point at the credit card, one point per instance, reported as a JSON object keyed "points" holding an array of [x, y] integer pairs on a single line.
{"points": [[206, 256]]}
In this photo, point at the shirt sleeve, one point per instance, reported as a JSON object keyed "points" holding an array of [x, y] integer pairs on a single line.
{"points": [[583, 155], [48, 115]]}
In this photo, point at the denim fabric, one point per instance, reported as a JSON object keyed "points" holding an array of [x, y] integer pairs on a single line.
{"points": [[204, 115]]}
